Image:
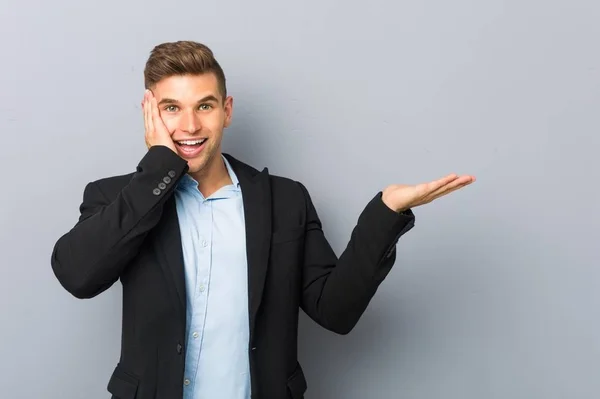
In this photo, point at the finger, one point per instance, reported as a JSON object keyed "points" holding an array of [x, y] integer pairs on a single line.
{"points": [[151, 127], [155, 113], [459, 181], [159, 123], [427, 189], [450, 188], [148, 108], [442, 194], [145, 114]]}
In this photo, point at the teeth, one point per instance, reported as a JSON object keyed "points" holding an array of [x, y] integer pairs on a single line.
{"points": [[192, 142]]}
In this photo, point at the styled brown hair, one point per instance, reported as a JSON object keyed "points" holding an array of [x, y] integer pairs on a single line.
{"points": [[182, 58]]}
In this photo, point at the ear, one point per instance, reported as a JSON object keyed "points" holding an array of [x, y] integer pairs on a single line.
{"points": [[228, 107]]}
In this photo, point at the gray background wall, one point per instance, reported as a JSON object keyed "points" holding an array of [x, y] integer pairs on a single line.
{"points": [[495, 292]]}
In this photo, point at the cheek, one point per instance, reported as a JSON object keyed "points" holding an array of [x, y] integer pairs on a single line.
{"points": [[170, 123], [216, 122]]}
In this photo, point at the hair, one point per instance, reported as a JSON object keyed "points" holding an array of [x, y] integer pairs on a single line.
{"points": [[182, 58]]}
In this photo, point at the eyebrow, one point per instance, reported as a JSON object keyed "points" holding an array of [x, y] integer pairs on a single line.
{"points": [[202, 100]]}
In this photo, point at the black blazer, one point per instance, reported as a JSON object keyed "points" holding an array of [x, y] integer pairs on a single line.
{"points": [[128, 230]]}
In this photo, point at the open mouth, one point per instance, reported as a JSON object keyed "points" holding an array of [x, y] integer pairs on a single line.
{"points": [[190, 148]]}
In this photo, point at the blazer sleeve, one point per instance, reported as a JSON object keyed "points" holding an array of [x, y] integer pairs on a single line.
{"points": [[336, 291], [89, 258]]}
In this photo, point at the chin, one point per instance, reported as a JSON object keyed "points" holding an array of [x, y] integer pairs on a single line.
{"points": [[197, 165], [202, 162]]}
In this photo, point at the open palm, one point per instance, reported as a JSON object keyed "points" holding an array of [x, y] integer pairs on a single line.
{"points": [[401, 196]]}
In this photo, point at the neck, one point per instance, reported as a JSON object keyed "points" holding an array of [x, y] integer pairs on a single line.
{"points": [[212, 177]]}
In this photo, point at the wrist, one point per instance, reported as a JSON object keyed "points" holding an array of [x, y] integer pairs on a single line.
{"points": [[387, 197]]}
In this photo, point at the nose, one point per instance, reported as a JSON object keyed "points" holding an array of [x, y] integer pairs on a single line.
{"points": [[189, 122]]}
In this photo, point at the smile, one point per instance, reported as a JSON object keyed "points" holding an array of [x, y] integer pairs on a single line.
{"points": [[190, 148]]}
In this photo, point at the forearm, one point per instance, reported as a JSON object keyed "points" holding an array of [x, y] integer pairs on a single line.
{"points": [[337, 291]]}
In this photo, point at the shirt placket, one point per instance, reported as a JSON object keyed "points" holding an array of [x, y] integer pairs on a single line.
{"points": [[204, 259]]}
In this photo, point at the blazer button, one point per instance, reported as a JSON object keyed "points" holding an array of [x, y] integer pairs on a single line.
{"points": [[179, 348], [156, 191], [172, 173]]}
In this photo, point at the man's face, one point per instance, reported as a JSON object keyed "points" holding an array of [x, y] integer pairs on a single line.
{"points": [[195, 115]]}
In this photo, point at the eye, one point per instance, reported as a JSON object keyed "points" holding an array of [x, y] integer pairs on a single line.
{"points": [[170, 108], [205, 107]]}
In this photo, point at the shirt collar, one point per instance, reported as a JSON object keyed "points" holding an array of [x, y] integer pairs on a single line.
{"points": [[232, 175], [188, 181]]}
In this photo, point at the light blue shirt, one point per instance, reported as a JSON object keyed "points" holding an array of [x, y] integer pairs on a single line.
{"points": [[213, 237]]}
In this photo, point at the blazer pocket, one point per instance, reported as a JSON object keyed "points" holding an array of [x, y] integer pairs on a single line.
{"points": [[297, 383], [285, 235], [122, 384]]}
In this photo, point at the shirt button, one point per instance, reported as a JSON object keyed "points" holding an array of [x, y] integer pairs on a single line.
{"points": [[202, 288], [186, 381], [204, 243], [195, 335]]}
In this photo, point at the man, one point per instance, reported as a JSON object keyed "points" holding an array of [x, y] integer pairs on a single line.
{"points": [[215, 257]]}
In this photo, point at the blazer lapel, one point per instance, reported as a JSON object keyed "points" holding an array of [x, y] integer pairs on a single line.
{"points": [[256, 193], [167, 243]]}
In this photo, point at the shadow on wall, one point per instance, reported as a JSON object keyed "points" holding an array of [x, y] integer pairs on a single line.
{"points": [[439, 323]]}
